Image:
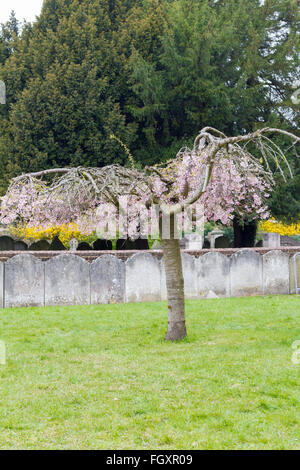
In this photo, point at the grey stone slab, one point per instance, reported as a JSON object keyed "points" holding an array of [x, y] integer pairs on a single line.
{"points": [[213, 272], [143, 278], [292, 273], [67, 280], [246, 269], [276, 276], [24, 281], [189, 276], [107, 280], [271, 240]]}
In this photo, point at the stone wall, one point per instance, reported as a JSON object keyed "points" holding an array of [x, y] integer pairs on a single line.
{"points": [[69, 279]]}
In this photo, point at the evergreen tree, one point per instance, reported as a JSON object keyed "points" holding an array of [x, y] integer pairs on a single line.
{"points": [[64, 99]]}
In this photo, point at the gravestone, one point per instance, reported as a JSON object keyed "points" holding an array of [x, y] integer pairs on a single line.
{"points": [[107, 280], [83, 246], [73, 243], [292, 272], [24, 281], [276, 273], [20, 246], [57, 245], [7, 243], [143, 278], [194, 241], [102, 245], [213, 274], [67, 280], [271, 240], [41, 245], [246, 273], [222, 242]]}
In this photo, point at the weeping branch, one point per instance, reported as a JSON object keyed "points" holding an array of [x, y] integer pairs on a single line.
{"points": [[109, 183], [216, 146]]}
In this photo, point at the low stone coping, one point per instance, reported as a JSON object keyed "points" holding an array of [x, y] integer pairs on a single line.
{"points": [[125, 254]]}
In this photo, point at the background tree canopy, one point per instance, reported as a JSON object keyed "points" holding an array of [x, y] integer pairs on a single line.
{"points": [[152, 72]]}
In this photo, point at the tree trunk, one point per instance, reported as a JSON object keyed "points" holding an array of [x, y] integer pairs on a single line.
{"points": [[175, 287]]}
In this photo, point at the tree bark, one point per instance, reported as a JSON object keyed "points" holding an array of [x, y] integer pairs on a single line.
{"points": [[175, 287]]}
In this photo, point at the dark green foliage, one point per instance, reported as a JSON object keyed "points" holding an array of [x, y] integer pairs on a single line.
{"points": [[244, 233]]}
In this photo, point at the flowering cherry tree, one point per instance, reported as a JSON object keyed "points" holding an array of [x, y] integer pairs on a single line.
{"points": [[219, 171]]}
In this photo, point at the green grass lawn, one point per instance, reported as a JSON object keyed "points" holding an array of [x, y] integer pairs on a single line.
{"points": [[102, 377]]}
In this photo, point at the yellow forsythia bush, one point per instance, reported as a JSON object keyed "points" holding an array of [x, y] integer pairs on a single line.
{"points": [[65, 232], [278, 227]]}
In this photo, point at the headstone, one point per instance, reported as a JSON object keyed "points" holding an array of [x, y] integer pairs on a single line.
{"points": [[213, 274], [67, 280], [73, 243], [20, 246], [276, 276], [24, 281], [189, 276], [246, 272], [7, 243], [102, 245], [83, 246], [143, 278], [222, 242], [107, 280], [194, 241], [57, 245], [41, 245], [292, 272], [271, 240]]}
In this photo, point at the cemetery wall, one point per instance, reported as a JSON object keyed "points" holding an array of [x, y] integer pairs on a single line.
{"points": [[28, 279]]}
